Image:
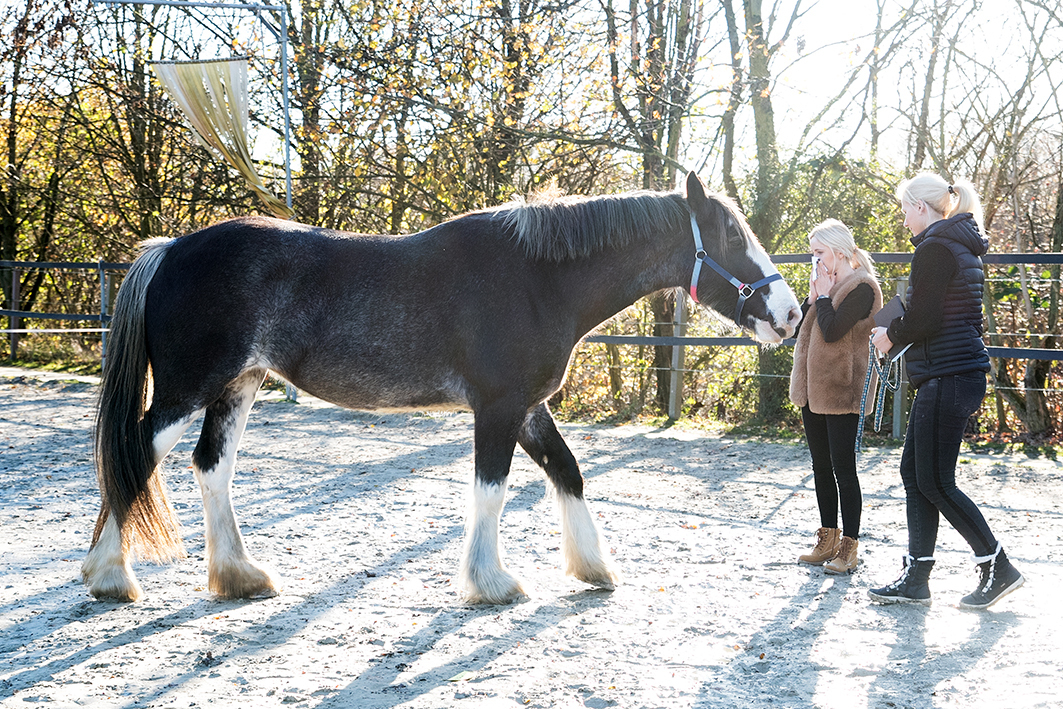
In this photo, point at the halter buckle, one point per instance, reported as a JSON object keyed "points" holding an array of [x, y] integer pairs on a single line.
{"points": [[745, 290]]}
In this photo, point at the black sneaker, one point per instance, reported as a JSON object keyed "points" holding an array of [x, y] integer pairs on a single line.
{"points": [[997, 578], [912, 587]]}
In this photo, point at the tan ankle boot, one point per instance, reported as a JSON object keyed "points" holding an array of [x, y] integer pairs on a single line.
{"points": [[826, 547], [846, 560]]}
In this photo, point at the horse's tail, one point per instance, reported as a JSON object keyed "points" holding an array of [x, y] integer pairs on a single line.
{"points": [[131, 487]]}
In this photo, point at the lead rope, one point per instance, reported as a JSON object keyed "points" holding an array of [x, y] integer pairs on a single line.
{"points": [[886, 373]]}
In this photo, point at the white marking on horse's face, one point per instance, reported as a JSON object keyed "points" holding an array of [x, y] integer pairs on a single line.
{"points": [[781, 302]]}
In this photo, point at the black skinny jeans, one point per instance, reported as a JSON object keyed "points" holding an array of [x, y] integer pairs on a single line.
{"points": [[832, 443], [928, 464]]}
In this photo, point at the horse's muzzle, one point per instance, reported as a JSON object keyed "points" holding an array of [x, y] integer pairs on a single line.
{"points": [[793, 319]]}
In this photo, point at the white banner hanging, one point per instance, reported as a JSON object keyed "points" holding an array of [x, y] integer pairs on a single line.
{"points": [[213, 97]]}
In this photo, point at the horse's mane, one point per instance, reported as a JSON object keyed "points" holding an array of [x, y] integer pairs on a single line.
{"points": [[560, 228]]}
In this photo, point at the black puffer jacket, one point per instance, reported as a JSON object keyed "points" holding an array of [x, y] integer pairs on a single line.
{"points": [[955, 346]]}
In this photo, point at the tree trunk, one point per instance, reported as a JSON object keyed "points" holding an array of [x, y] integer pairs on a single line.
{"points": [[10, 181], [727, 124], [662, 305], [309, 63], [765, 215], [1038, 418], [1057, 246], [518, 67], [765, 211], [922, 130], [143, 155], [876, 64], [397, 195]]}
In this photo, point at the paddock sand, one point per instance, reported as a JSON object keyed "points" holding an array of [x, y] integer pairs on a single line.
{"points": [[362, 517]]}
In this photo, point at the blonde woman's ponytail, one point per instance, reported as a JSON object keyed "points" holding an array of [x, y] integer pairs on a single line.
{"points": [[944, 198], [862, 259], [965, 199]]}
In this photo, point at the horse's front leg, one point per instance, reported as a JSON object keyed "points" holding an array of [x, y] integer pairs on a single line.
{"points": [[581, 546], [482, 578], [232, 572]]}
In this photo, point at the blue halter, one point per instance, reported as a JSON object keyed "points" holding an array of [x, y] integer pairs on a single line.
{"points": [[744, 290]]}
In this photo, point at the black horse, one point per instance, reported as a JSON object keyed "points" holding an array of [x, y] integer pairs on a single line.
{"points": [[481, 312]]}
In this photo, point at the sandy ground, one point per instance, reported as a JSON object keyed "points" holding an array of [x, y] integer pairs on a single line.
{"points": [[362, 517]]}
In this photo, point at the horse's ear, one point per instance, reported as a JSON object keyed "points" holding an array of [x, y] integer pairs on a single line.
{"points": [[695, 192]]}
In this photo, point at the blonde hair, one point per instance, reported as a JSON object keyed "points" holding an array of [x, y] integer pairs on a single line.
{"points": [[837, 237], [944, 198]]}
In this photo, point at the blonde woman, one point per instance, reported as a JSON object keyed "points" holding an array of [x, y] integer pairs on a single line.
{"points": [[947, 364], [830, 361]]}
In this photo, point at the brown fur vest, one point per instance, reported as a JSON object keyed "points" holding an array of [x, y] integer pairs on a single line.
{"points": [[829, 376]]}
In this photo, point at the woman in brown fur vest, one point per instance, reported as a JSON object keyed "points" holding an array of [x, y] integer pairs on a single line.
{"points": [[830, 361]]}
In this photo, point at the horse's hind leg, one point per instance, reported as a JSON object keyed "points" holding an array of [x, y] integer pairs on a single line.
{"points": [[107, 569], [231, 570], [581, 545]]}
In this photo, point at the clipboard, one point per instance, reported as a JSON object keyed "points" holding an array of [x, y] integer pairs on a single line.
{"points": [[889, 312]]}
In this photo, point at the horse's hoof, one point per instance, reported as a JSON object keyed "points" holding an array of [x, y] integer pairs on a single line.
{"points": [[502, 590], [604, 584], [110, 581], [599, 576], [243, 580], [478, 599], [115, 587], [122, 595], [266, 593]]}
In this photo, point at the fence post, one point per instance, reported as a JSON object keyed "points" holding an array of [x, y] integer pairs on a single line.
{"points": [[103, 314], [675, 390], [900, 397], [15, 321]]}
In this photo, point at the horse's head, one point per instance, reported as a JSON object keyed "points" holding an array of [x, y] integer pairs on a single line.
{"points": [[732, 273]]}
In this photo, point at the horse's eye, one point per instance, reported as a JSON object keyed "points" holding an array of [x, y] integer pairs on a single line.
{"points": [[735, 239]]}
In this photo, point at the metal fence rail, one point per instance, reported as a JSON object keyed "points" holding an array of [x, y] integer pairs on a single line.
{"points": [[883, 257], [678, 342], [15, 316], [1005, 352]]}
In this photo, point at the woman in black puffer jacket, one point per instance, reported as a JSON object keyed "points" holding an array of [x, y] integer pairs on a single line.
{"points": [[947, 363]]}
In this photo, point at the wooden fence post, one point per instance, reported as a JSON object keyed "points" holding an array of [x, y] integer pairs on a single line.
{"points": [[104, 292], [675, 390], [15, 321]]}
